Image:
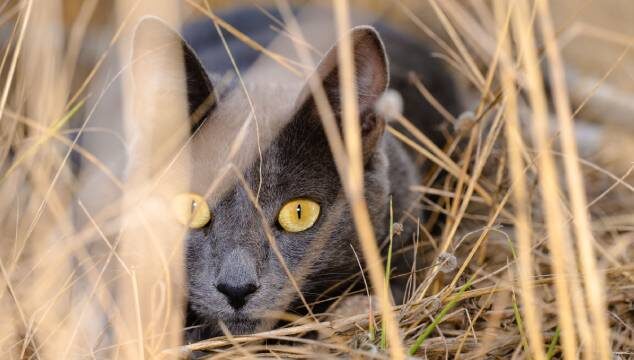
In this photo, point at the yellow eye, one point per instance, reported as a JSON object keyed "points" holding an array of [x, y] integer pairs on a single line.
{"points": [[298, 215], [191, 210]]}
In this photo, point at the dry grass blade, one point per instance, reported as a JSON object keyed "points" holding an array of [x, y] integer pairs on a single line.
{"points": [[514, 145], [593, 281], [246, 39], [453, 35], [50, 132], [425, 334], [354, 177], [16, 54], [557, 232]]}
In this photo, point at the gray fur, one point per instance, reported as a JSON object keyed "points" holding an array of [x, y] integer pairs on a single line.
{"points": [[296, 162]]}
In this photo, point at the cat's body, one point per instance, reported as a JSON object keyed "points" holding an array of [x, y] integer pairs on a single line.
{"points": [[231, 258]]}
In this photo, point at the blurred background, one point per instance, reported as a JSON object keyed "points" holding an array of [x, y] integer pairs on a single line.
{"points": [[592, 47], [595, 39]]}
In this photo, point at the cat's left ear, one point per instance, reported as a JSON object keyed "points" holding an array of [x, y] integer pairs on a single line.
{"points": [[164, 65], [371, 77]]}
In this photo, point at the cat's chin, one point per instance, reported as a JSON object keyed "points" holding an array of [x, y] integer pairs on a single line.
{"points": [[241, 325], [235, 325]]}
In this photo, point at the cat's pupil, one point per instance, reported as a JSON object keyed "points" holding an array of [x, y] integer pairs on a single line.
{"points": [[299, 211], [193, 206]]}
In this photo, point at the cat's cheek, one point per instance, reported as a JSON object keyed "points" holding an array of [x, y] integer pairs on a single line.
{"points": [[199, 257], [295, 248], [197, 243]]}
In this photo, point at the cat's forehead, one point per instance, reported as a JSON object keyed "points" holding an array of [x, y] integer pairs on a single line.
{"points": [[296, 164], [268, 103], [244, 126]]}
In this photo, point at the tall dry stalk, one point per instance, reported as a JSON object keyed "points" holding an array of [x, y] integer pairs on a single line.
{"points": [[593, 281], [354, 177], [558, 236], [515, 148]]}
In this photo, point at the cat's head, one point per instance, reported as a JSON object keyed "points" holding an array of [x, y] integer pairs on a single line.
{"points": [[273, 205]]}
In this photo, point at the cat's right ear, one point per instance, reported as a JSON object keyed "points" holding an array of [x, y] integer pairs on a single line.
{"points": [[163, 64], [371, 77]]}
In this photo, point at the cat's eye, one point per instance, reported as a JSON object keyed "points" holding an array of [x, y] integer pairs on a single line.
{"points": [[298, 215], [191, 210]]}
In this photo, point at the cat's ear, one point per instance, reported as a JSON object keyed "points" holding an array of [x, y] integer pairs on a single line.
{"points": [[162, 62], [371, 76]]}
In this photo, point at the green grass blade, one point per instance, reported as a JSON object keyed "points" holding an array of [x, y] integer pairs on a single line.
{"points": [[388, 268], [438, 319], [520, 323], [50, 132], [552, 348]]}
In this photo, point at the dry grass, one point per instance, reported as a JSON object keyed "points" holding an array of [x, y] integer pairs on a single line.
{"points": [[534, 259]]}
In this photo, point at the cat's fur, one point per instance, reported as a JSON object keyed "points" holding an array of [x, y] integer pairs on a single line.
{"points": [[296, 162]]}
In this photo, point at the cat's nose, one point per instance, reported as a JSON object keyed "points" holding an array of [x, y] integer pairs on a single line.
{"points": [[237, 294], [237, 277]]}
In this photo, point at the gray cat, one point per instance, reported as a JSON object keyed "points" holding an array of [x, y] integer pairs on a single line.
{"points": [[233, 274]]}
